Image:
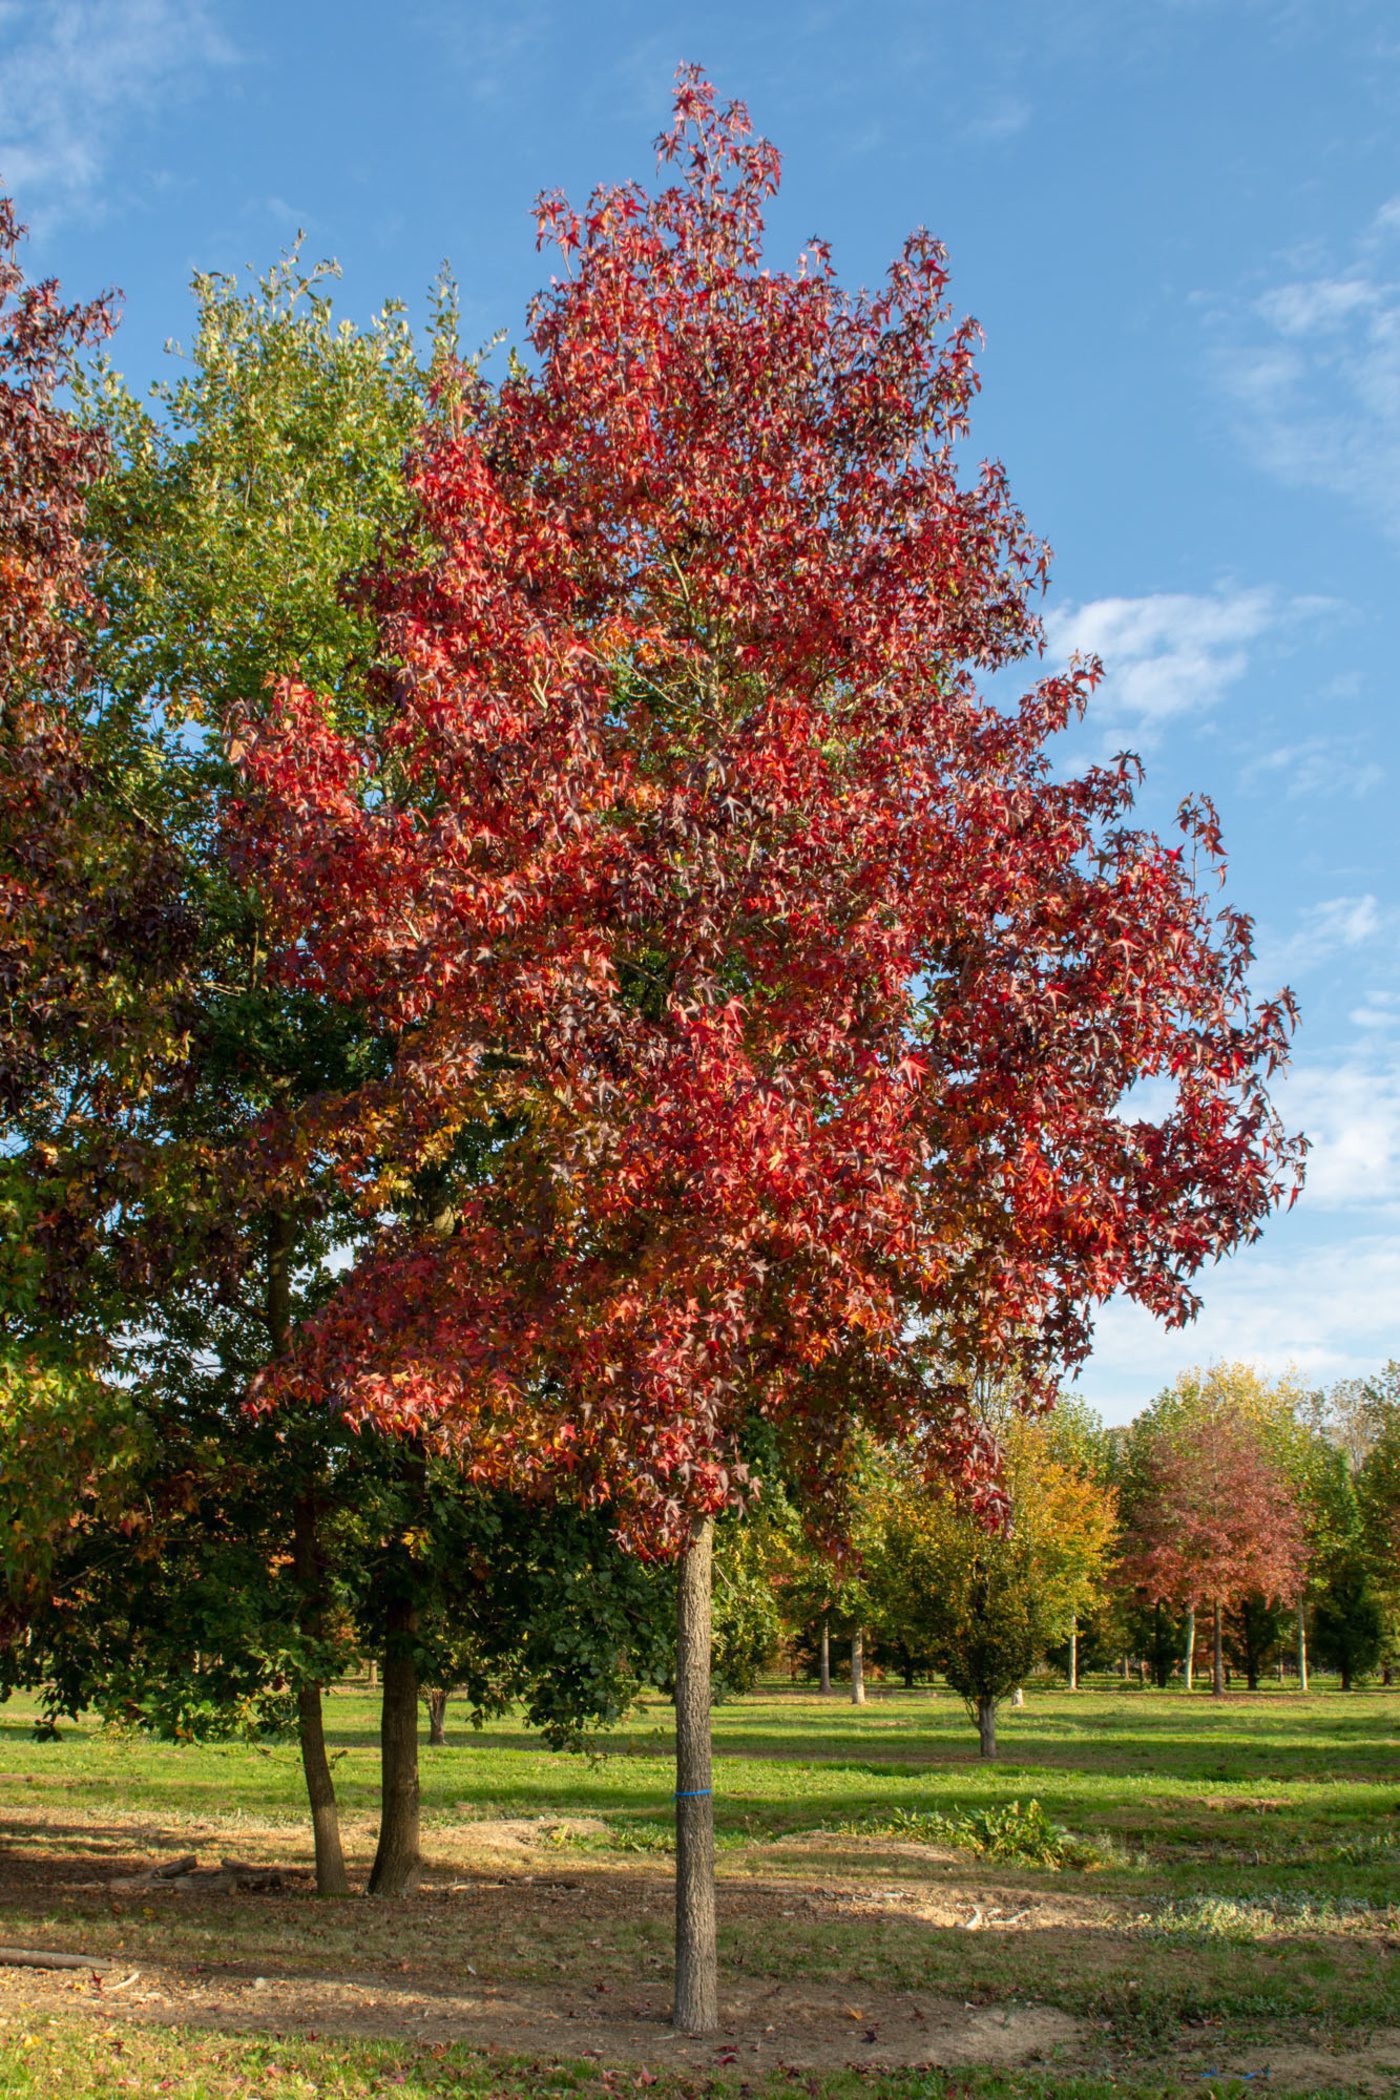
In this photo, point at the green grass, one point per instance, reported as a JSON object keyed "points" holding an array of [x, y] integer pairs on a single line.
{"points": [[55, 2057], [1187, 1880]]}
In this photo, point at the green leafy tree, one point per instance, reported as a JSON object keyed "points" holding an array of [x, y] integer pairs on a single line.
{"points": [[988, 1603], [237, 507], [1348, 1625]]}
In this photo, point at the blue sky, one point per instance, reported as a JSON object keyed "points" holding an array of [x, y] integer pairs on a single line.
{"points": [[1178, 222]]}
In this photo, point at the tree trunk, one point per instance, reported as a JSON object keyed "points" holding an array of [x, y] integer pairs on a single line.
{"points": [[1018, 1697], [1346, 1674], [396, 1861], [858, 1667], [1161, 1661], [825, 1652], [372, 1673], [1074, 1657], [908, 1669], [1123, 1668], [987, 1726], [437, 1716], [1218, 1655], [331, 1879], [697, 1957], [1250, 1646], [308, 1571], [1302, 1647], [1188, 1661]]}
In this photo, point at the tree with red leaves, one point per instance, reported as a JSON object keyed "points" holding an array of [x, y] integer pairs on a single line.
{"points": [[765, 1005], [1213, 1516], [73, 875]]}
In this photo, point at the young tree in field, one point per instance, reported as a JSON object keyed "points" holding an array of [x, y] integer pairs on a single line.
{"points": [[1213, 1517], [1348, 1625], [683, 852], [988, 1603]]}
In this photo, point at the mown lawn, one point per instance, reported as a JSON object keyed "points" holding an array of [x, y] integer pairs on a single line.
{"points": [[1233, 1903]]}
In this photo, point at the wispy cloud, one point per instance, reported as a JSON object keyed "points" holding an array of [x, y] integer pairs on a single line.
{"points": [[1312, 365], [1327, 1312], [1320, 1293], [1001, 117], [73, 73], [1172, 652], [1325, 930], [489, 46], [1351, 1114], [1316, 765]]}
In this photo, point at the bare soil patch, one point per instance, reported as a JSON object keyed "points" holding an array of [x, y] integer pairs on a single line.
{"points": [[520, 1941]]}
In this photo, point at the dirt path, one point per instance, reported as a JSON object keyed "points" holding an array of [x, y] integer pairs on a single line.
{"points": [[762, 2027]]}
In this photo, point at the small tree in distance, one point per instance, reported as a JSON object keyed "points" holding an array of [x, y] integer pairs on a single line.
{"points": [[986, 1603], [1214, 1517]]}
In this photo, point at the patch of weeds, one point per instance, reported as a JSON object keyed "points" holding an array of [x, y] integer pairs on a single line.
{"points": [[1019, 1833], [1376, 1851], [1272, 1915]]}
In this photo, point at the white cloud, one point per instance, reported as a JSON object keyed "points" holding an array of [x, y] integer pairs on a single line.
{"points": [[1326, 1312], [74, 72], [491, 48], [1002, 117], [1324, 931], [1351, 1115], [1172, 652], [1321, 1292], [1318, 765], [1313, 365], [1377, 1015]]}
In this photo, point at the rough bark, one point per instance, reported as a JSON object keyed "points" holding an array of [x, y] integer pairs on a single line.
{"points": [[824, 1652], [1302, 1635], [1251, 1647], [1188, 1660], [308, 1568], [397, 1860], [331, 1878], [1161, 1660], [437, 1716], [987, 1726], [697, 1958], [858, 1667], [1217, 1684]]}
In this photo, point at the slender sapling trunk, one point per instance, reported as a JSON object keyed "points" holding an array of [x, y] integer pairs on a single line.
{"points": [[987, 1726], [824, 1653], [858, 1667], [1074, 1657], [1302, 1647], [1218, 1654], [1188, 1660]]}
